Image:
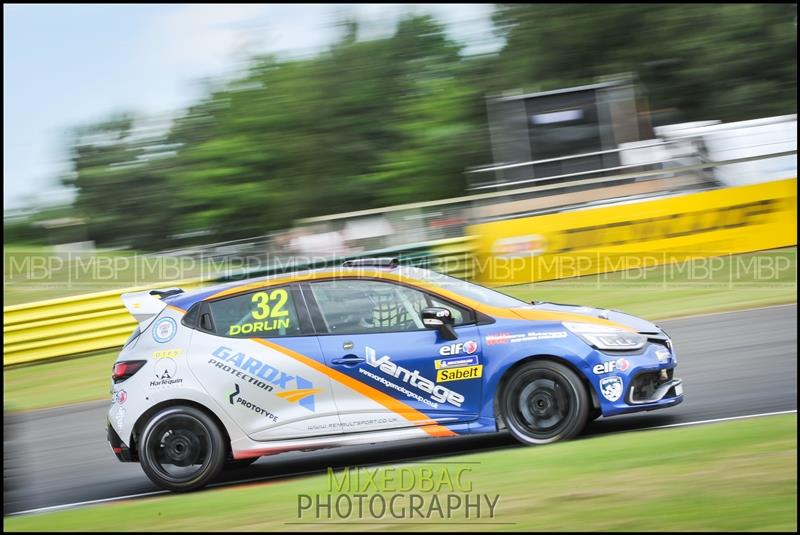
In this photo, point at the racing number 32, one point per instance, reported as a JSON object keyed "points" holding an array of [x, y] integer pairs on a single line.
{"points": [[261, 299], [268, 311]]}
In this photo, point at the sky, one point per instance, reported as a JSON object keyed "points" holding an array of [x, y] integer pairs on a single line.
{"points": [[68, 65]]}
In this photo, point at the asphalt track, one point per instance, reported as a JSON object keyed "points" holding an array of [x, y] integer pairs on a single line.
{"points": [[733, 364]]}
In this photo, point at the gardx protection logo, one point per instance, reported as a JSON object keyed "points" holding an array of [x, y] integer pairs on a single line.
{"points": [[303, 395]]}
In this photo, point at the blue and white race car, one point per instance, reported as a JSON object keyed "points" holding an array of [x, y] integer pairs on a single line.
{"points": [[368, 352]]}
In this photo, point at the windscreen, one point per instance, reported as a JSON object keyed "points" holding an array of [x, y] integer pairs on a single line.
{"points": [[465, 289]]}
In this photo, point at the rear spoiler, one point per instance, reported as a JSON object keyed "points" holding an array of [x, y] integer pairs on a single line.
{"points": [[145, 306]]}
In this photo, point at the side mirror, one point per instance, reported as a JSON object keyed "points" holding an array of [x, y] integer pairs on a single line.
{"points": [[440, 319]]}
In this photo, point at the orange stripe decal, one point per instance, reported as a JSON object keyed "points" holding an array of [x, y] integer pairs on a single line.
{"points": [[296, 395], [176, 309], [409, 413]]}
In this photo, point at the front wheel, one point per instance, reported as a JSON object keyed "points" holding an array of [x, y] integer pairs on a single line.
{"points": [[181, 449], [544, 402]]}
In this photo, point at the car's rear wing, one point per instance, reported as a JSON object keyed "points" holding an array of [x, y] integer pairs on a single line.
{"points": [[145, 306]]}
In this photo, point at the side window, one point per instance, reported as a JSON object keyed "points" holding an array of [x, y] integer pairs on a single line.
{"points": [[267, 313], [366, 306]]}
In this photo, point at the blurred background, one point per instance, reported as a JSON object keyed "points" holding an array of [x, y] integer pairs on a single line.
{"points": [[567, 152], [373, 106]]}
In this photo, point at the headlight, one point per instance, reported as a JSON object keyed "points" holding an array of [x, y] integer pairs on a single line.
{"points": [[603, 337]]}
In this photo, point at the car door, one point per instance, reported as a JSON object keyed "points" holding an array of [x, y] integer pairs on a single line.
{"points": [[371, 330], [257, 356]]}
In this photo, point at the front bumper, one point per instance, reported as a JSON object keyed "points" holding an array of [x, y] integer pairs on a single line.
{"points": [[652, 387], [646, 379]]}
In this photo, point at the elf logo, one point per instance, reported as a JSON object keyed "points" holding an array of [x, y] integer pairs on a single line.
{"points": [[454, 349], [610, 366]]}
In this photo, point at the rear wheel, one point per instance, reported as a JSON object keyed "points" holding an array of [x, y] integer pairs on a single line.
{"points": [[544, 402], [181, 449]]}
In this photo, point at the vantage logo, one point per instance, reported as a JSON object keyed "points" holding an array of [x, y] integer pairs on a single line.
{"points": [[303, 395], [438, 393]]}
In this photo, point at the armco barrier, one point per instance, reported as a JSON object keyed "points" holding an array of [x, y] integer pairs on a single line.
{"points": [[635, 235], [71, 325]]}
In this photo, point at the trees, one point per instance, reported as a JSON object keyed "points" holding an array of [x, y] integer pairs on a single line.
{"points": [[710, 61], [364, 124], [123, 192], [398, 119]]}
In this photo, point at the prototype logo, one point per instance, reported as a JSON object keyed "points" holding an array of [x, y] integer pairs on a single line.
{"points": [[611, 387], [234, 393], [164, 330], [249, 404]]}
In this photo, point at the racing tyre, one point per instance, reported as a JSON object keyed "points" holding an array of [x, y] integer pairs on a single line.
{"points": [[544, 402], [232, 464], [181, 449]]}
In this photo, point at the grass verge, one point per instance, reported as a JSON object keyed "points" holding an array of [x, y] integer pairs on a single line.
{"points": [[738, 475], [67, 381], [705, 285]]}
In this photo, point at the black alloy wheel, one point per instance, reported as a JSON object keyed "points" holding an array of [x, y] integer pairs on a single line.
{"points": [[543, 401], [181, 449]]}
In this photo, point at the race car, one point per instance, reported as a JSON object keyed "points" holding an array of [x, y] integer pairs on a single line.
{"points": [[363, 353]]}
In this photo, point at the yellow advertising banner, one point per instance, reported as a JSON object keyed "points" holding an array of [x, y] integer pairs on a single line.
{"points": [[637, 234]]}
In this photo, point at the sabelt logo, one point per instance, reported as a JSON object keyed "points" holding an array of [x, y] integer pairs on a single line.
{"points": [[459, 374], [610, 366], [438, 393], [303, 394]]}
